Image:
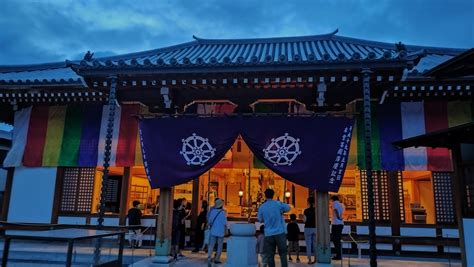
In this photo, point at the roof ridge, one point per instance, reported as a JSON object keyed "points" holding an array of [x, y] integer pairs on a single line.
{"points": [[148, 52], [265, 39], [32, 67], [411, 48]]}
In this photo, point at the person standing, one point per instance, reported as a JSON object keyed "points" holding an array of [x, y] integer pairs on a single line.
{"points": [[182, 225], [260, 243], [293, 236], [310, 230], [200, 227], [271, 214], [217, 221], [134, 216], [177, 216], [337, 224]]}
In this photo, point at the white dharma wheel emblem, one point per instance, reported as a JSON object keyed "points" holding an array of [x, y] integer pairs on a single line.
{"points": [[196, 150], [283, 150]]}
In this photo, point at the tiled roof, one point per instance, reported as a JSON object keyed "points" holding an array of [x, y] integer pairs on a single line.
{"points": [[325, 49], [50, 73]]}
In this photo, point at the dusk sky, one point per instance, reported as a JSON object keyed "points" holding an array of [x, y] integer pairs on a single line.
{"points": [[45, 31]]}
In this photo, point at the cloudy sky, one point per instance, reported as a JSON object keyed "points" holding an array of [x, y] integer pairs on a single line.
{"points": [[34, 31]]}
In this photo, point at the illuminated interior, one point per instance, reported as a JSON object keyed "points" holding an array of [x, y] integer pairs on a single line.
{"points": [[230, 181]]}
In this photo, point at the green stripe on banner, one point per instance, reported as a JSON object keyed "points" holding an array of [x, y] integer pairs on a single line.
{"points": [[72, 137], [257, 164], [376, 163]]}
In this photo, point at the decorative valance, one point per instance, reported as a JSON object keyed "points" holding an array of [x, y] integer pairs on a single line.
{"points": [[309, 151], [73, 136], [395, 121]]}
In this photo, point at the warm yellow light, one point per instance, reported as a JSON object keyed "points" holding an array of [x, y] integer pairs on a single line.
{"points": [[241, 193], [287, 194]]}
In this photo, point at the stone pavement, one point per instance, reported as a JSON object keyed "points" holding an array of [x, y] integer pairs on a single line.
{"points": [[200, 260], [24, 254]]}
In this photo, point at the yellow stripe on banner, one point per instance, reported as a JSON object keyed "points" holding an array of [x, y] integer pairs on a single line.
{"points": [[459, 112], [54, 135], [138, 152]]}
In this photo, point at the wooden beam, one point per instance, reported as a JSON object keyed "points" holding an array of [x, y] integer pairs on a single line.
{"points": [[163, 229], [57, 195], [195, 208], [323, 245], [125, 195], [459, 197], [394, 206], [7, 194]]}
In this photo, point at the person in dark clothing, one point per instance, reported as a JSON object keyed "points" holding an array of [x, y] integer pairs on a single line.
{"points": [[200, 226], [175, 233], [134, 225], [310, 230], [293, 236], [337, 225], [185, 213]]}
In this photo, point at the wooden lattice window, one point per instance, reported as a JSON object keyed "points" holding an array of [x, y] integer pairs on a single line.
{"points": [[401, 200], [381, 195], [77, 190], [443, 194]]}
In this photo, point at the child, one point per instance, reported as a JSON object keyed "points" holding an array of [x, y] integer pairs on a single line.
{"points": [[293, 233], [260, 243], [177, 217], [134, 225]]}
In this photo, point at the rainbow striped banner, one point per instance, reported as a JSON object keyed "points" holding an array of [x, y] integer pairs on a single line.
{"points": [[74, 136], [396, 121]]}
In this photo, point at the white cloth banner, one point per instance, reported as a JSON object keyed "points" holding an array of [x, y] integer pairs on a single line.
{"points": [[14, 157], [103, 134], [413, 124]]}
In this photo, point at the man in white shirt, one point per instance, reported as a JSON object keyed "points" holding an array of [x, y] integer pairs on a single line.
{"points": [[271, 214], [337, 224]]}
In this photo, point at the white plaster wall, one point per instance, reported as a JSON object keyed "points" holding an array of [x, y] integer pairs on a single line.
{"points": [[32, 195], [468, 240], [107, 221], [72, 220], [412, 231]]}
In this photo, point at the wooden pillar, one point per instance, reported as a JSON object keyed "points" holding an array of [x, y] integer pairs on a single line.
{"points": [[195, 203], [58, 188], [323, 245], [163, 228], [125, 195], [459, 198], [394, 206], [7, 193]]}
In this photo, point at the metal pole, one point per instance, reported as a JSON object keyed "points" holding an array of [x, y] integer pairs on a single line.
{"points": [[368, 165], [107, 153]]}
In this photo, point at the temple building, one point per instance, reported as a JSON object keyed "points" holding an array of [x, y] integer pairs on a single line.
{"points": [[60, 113]]}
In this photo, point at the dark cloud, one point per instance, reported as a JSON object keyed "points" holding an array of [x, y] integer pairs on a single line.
{"points": [[42, 31]]}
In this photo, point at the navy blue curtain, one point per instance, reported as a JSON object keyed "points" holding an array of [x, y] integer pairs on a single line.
{"points": [[309, 151], [176, 150]]}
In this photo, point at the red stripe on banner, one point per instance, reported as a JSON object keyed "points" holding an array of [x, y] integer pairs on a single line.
{"points": [[436, 118], [127, 141], [33, 156]]}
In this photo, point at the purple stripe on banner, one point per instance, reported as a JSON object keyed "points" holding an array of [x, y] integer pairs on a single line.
{"points": [[390, 128], [90, 137]]}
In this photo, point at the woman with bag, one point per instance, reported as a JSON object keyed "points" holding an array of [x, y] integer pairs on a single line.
{"points": [[217, 225]]}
